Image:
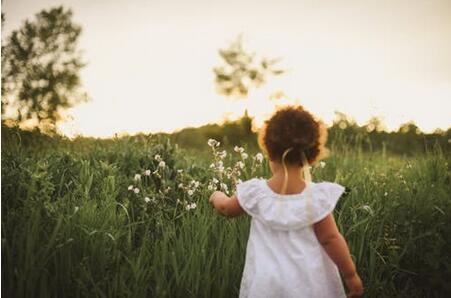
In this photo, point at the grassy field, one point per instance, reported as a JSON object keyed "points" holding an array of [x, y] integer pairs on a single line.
{"points": [[75, 225]]}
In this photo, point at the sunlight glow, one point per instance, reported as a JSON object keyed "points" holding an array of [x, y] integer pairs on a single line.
{"points": [[152, 70]]}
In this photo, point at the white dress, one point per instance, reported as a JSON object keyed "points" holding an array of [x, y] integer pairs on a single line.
{"points": [[283, 256]]}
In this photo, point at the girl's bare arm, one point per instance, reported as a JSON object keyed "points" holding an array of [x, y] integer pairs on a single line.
{"points": [[224, 205], [336, 247]]}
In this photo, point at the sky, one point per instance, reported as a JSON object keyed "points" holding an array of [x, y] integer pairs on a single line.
{"points": [[149, 63]]}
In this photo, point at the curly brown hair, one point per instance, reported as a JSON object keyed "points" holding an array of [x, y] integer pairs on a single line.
{"points": [[293, 131]]}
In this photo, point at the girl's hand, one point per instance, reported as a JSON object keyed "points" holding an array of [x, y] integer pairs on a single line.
{"points": [[355, 286], [214, 195], [224, 205]]}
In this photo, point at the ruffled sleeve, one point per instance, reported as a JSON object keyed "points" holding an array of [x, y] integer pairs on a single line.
{"points": [[288, 211], [325, 198], [248, 194]]}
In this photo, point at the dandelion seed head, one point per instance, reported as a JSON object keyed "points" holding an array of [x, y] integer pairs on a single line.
{"points": [[147, 173], [162, 164], [136, 190], [137, 177]]}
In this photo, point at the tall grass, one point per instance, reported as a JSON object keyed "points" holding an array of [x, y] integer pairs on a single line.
{"points": [[71, 228]]}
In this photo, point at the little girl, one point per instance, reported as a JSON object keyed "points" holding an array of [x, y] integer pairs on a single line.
{"points": [[294, 247]]}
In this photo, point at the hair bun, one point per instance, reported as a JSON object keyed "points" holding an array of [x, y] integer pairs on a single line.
{"points": [[295, 128]]}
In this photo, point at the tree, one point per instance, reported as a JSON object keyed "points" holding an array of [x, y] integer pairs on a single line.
{"points": [[409, 128], [242, 70], [374, 124], [40, 68]]}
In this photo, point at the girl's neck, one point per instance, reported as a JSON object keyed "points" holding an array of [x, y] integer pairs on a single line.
{"points": [[294, 182]]}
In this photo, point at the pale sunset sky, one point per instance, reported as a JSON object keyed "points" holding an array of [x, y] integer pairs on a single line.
{"points": [[149, 63]]}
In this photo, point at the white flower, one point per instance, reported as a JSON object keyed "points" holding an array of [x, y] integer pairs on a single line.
{"points": [[244, 155], [180, 185], [238, 149], [196, 184], [238, 181], [130, 187], [210, 186], [137, 177], [136, 190], [212, 166], [146, 199], [259, 157], [240, 164], [224, 187], [147, 173], [158, 157], [76, 209], [215, 181], [385, 194], [162, 164], [222, 154], [322, 164], [190, 192], [178, 201], [213, 143], [179, 171], [190, 206]]}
